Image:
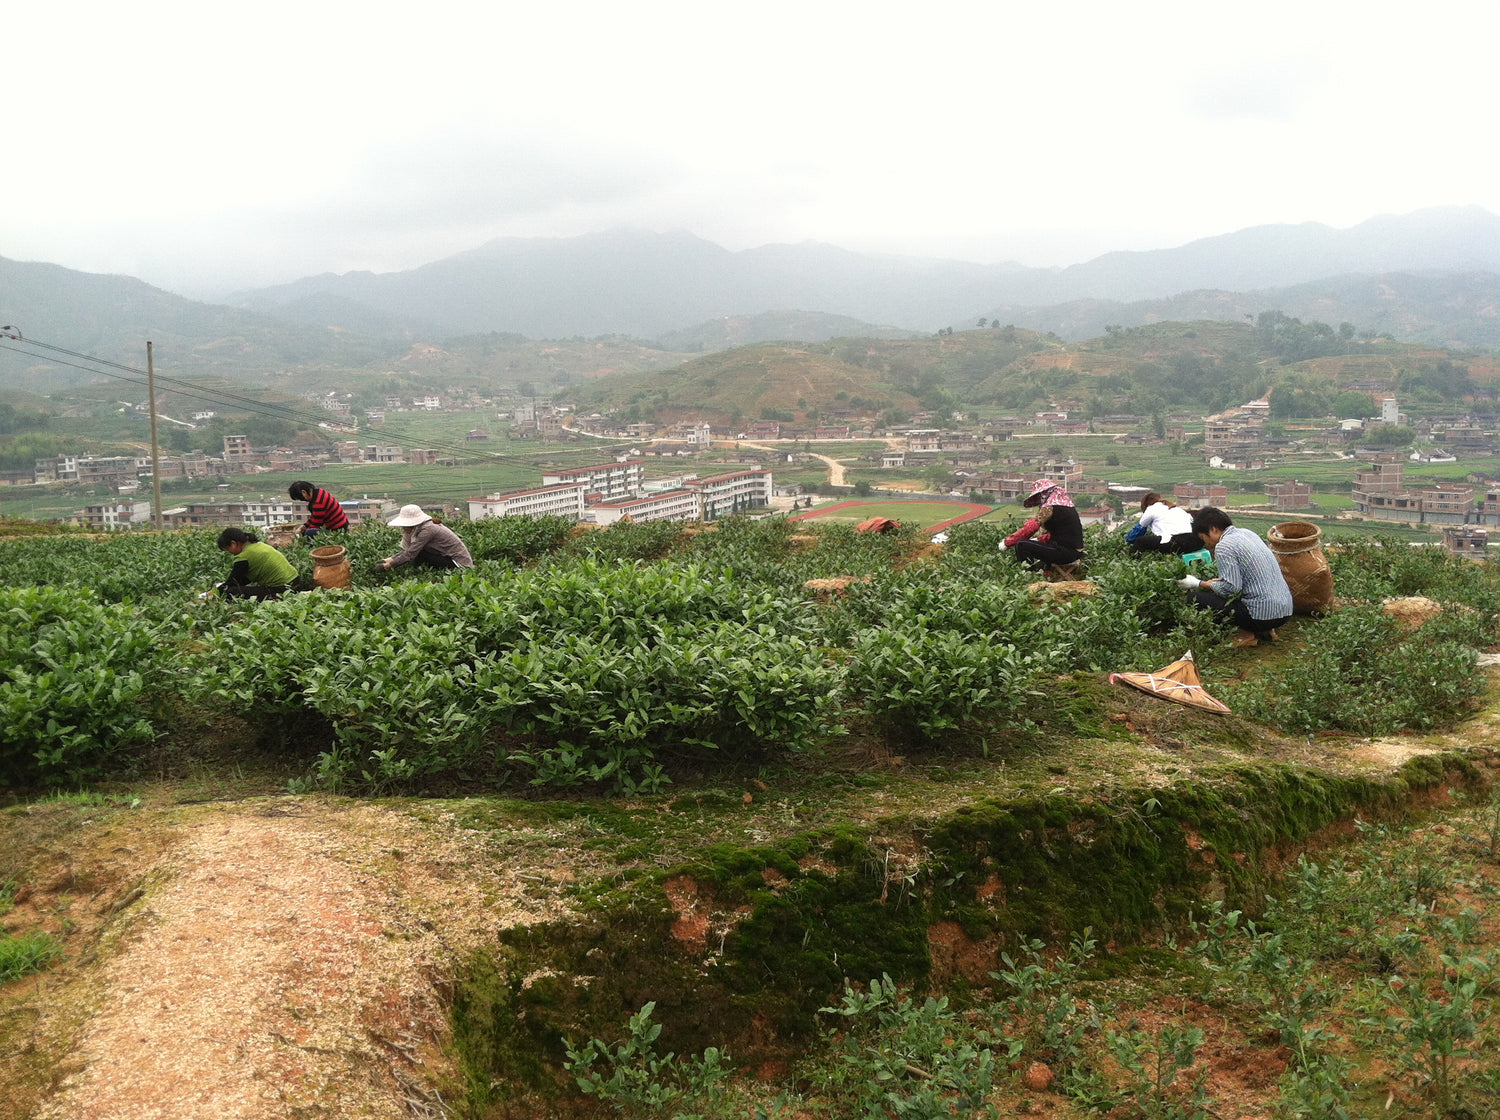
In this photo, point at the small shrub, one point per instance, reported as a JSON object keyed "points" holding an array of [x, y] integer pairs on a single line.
{"points": [[1363, 673], [640, 1082], [897, 1057], [918, 686]]}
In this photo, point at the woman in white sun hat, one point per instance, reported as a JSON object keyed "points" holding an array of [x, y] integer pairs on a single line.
{"points": [[426, 542]]}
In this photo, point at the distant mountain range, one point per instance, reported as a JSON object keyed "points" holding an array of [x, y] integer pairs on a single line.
{"points": [[1431, 276], [647, 285]]}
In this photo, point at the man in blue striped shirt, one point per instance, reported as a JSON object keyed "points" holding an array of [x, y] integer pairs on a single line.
{"points": [[1249, 588]]}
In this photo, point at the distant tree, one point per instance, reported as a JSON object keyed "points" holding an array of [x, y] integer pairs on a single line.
{"points": [[1352, 405], [862, 488], [937, 477], [526, 389], [984, 322], [13, 420], [1388, 435], [1346, 331], [1111, 460]]}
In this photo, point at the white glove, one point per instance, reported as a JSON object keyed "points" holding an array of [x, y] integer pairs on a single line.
{"points": [[1002, 546], [1189, 582]]}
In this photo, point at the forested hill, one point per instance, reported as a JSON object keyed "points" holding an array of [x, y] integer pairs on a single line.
{"points": [[1202, 365]]}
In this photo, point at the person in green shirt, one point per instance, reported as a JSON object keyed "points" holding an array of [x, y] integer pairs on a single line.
{"points": [[259, 571]]}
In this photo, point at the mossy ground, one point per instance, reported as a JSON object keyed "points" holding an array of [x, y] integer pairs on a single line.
{"points": [[741, 903]]}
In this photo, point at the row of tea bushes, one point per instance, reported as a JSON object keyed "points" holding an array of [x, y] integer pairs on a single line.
{"points": [[597, 663]]}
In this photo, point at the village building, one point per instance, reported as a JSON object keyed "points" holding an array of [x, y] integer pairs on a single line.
{"points": [[1197, 495], [1289, 495], [546, 501], [612, 481], [265, 513], [1380, 492], [122, 514], [670, 505], [734, 492], [1466, 540]]}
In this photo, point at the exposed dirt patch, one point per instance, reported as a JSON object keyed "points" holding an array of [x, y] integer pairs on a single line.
{"points": [[283, 957]]}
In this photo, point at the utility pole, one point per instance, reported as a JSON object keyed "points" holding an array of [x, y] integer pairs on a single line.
{"points": [[155, 449], [10, 332]]}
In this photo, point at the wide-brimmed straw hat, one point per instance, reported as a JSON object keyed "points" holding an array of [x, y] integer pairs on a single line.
{"points": [[1039, 490], [410, 515]]}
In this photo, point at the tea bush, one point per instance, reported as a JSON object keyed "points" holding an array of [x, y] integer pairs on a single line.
{"points": [[126, 566], [545, 671], [78, 680], [918, 686], [515, 540], [1361, 671]]}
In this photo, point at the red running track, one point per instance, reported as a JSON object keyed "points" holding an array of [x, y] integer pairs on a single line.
{"points": [[972, 510]]}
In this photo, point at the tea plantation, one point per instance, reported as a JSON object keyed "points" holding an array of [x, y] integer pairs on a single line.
{"points": [[889, 845], [616, 659]]}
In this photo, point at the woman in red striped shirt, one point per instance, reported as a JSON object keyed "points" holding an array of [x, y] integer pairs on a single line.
{"points": [[323, 509]]}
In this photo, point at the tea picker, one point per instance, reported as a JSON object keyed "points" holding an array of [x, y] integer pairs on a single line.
{"points": [[259, 571], [1249, 589], [425, 542]]}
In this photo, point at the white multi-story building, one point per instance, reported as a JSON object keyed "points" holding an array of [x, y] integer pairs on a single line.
{"points": [[611, 481], [673, 505], [117, 515], [547, 501], [725, 494]]}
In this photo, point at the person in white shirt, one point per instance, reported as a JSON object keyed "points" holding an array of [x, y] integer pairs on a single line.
{"points": [[1163, 527]]}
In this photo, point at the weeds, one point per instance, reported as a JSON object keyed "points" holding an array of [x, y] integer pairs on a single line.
{"points": [[640, 1082], [26, 953], [1361, 978]]}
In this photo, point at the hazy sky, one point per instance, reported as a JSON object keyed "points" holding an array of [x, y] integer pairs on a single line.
{"points": [[203, 147]]}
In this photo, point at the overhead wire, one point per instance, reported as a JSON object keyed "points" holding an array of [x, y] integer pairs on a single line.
{"points": [[197, 391]]}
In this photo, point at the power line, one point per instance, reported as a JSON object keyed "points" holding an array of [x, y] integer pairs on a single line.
{"points": [[197, 391]]}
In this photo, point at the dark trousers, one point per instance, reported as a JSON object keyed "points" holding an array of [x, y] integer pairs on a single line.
{"points": [[432, 558], [1177, 546], [1235, 610], [1039, 554], [250, 591]]}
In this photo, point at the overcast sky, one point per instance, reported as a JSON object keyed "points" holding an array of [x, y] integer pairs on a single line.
{"points": [[203, 148]]}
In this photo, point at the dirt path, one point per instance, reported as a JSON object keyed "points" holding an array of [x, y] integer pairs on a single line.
{"points": [[835, 468], [281, 960]]}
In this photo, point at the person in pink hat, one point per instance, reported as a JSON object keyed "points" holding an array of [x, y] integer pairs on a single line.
{"points": [[1053, 534]]}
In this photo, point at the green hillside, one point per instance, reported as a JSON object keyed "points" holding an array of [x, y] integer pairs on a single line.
{"points": [[844, 376], [1205, 366]]}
